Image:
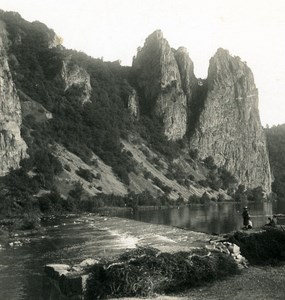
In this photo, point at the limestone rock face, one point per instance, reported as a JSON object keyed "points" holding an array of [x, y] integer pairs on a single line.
{"points": [[186, 70], [74, 75], [12, 146], [229, 127], [133, 104], [160, 82]]}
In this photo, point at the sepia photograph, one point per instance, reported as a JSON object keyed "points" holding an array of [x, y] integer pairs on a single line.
{"points": [[142, 149]]}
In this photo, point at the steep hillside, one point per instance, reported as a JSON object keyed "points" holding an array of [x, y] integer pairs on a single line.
{"points": [[97, 131]]}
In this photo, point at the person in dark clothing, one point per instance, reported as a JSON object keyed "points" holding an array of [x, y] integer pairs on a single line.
{"points": [[246, 218], [271, 222]]}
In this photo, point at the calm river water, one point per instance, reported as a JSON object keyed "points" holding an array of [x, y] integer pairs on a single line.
{"points": [[70, 240], [213, 218]]}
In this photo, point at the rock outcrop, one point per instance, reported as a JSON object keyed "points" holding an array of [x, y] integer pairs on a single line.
{"points": [[12, 146], [75, 76], [160, 83], [229, 127], [133, 104], [186, 70]]}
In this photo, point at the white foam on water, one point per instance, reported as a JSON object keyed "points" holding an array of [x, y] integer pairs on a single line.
{"points": [[124, 239]]}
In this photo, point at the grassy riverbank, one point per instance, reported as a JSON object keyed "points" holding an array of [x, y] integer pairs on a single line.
{"points": [[146, 272]]}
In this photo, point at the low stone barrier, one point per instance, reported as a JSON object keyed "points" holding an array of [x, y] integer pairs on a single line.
{"points": [[69, 281]]}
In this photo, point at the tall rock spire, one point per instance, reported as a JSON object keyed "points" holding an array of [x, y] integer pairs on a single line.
{"points": [[160, 83], [229, 127]]}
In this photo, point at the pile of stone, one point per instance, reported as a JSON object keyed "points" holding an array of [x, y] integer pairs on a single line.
{"points": [[229, 249]]}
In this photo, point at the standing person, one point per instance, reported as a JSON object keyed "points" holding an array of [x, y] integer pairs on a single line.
{"points": [[246, 217]]}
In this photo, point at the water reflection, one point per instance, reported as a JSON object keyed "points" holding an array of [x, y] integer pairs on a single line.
{"points": [[214, 218]]}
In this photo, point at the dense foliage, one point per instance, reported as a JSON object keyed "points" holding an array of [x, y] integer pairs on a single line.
{"points": [[96, 126], [276, 146]]}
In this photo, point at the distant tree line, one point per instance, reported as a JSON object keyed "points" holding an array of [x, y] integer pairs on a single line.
{"points": [[276, 145]]}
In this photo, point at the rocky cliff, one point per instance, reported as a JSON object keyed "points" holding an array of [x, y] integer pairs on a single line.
{"points": [[158, 95], [229, 128], [12, 146], [159, 80], [76, 76]]}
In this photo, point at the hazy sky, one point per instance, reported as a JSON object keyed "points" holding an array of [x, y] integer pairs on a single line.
{"points": [[113, 29]]}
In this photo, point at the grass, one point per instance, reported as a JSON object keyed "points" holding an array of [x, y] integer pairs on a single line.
{"points": [[144, 272]]}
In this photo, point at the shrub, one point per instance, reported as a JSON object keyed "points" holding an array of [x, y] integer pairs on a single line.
{"points": [[145, 151], [147, 175], [29, 221], [221, 198], [52, 203], [209, 162], [67, 167], [191, 177], [194, 153], [98, 176], [205, 199], [77, 191], [44, 204], [85, 174], [169, 176], [194, 199], [203, 183]]}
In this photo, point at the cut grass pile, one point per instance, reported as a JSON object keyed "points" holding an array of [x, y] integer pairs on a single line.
{"points": [[144, 272]]}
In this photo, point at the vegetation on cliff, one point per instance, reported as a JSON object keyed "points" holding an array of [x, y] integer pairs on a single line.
{"points": [[276, 145], [98, 128]]}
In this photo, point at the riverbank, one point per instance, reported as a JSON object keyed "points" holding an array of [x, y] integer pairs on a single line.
{"points": [[72, 239], [168, 249], [168, 259]]}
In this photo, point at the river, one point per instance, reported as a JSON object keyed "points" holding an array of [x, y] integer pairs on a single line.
{"points": [[72, 239], [214, 218]]}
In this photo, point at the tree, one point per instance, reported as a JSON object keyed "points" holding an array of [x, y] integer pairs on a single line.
{"points": [[209, 162]]}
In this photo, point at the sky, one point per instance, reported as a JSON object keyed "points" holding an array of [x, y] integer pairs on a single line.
{"points": [[113, 29]]}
